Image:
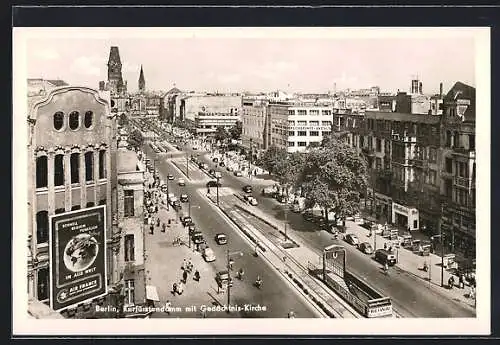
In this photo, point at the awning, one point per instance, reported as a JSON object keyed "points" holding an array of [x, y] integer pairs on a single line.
{"points": [[152, 293]]}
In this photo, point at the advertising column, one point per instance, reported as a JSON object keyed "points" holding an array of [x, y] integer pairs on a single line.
{"points": [[77, 257]]}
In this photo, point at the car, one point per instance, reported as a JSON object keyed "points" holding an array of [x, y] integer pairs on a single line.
{"points": [[213, 183], [170, 177], [181, 182], [351, 239], [221, 164], [221, 239], [178, 148], [247, 189], [228, 168], [197, 237], [208, 254], [366, 248], [164, 188], [246, 197], [252, 201], [195, 148], [215, 160], [176, 204], [385, 257], [211, 172], [184, 198], [308, 215], [191, 229], [186, 220], [237, 173], [223, 278]]}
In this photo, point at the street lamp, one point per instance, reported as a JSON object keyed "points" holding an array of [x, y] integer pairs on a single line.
{"points": [[286, 212], [228, 258], [250, 160], [331, 252], [187, 166]]}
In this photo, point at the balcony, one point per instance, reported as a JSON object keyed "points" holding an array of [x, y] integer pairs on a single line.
{"points": [[464, 182], [463, 152]]}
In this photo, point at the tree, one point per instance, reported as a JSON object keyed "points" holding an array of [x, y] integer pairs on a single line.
{"points": [[221, 134], [236, 130], [123, 120], [270, 160], [333, 177], [136, 139]]}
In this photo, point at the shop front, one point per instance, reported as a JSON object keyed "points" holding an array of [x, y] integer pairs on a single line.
{"points": [[405, 217], [383, 205]]}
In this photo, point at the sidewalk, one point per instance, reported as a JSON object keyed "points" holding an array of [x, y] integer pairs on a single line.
{"points": [[413, 264]]}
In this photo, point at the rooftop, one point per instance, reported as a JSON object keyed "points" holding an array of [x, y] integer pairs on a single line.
{"points": [[392, 116], [126, 161]]}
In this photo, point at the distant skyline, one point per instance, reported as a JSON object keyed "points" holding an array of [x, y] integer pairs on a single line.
{"points": [[289, 62]]}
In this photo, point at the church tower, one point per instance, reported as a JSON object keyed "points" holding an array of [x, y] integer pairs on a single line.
{"points": [[142, 81], [115, 79]]}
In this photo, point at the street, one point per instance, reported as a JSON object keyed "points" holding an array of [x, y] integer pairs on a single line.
{"points": [[275, 293], [411, 296]]}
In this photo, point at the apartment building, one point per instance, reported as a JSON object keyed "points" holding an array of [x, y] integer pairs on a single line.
{"points": [[254, 118], [422, 167]]}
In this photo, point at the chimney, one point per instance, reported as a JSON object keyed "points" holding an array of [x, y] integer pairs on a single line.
{"points": [[440, 89]]}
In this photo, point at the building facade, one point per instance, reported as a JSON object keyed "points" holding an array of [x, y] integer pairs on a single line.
{"points": [[192, 105], [422, 167], [254, 119], [72, 154], [131, 223]]}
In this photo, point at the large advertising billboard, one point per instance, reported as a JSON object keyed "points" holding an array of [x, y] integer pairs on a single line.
{"points": [[77, 257]]}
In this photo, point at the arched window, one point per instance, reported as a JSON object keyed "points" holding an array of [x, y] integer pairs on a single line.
{"points": [[74, 120], [75, 167], [59, 170], [41, 172], [89, 116], [42, 227], [102, 164], [58, 120], [89, 166]]}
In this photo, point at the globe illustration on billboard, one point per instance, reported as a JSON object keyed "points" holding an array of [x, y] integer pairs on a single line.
{"points": [[80, 252]]}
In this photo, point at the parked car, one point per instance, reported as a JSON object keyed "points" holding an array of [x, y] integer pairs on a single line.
{"points": [[221, 164], [184, 198], [366, 248], [186, 220], [223, 278], [221, 238], [177, 205], [237, 173], [208, 254], [211, 172], [252, 201], [191, 229], [351, 239], [197, 237], [215, 160], [384, 256], [228, 168], [247, 189], [170, 177]]}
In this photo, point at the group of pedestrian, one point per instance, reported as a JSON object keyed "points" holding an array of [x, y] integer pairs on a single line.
{"points": [[187, 268]]}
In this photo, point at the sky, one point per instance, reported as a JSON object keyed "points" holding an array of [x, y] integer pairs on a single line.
{"points": [[232, 61]]}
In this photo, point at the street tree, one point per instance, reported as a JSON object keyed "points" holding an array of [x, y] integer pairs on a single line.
{"points": [[271, 158], [221, 134], [333, 177], [135, 139], [236, 130], [123, 120]]}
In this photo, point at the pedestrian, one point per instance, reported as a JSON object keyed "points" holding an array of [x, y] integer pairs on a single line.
{"points": [[461, 283], [184, 264], [184, 276], [174, 288], [163, 227], [151, 229], [168, 305], [158, 222]]}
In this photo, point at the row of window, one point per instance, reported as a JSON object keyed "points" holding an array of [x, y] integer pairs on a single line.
{"points": [[311, 123], [42, 221], [311, 112], [304, 133], [299, 143], [59, 175], [74, 120]]}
